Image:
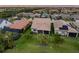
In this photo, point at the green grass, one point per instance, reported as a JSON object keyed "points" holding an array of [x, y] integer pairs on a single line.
{"points": [[30, 43]]}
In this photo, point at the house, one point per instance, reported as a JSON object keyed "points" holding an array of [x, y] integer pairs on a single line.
{"points": [[23, 14], [63, 28], [44, 15], [37, 15], [75, 17], [19, 25], [60, 16], [77, 20], [3, 23], [58, 27], [72, 32], [67, 16], [41, 25], [75, 25]]}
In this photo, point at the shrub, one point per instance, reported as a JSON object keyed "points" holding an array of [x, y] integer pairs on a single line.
{"points": [[44, 40], [9, 43], [58, 39], [2, 48]]}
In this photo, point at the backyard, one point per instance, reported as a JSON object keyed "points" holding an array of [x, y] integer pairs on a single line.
{"points": [[31, 43]]}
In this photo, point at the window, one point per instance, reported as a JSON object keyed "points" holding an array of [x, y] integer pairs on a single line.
{"points": [[46, 32], [72, 34], [34, 29], [40, 31]]}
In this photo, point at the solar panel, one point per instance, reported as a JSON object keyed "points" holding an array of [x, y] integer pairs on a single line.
{"points": [[64, 27]]}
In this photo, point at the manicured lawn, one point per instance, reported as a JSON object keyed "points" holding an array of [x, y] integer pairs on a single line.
{"points": [[29, 42]]}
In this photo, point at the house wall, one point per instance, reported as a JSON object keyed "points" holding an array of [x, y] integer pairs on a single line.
{"points": [[40, 31], [46, 32], [72, 34], [34, 30], [61, 32], [4, 23], [43, 31], [12, 30]]}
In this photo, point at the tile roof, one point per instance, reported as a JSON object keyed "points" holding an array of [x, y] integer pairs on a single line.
{"points": [[76, 24], [60, 23], [20, 24], [42, 24], [72, 30]]}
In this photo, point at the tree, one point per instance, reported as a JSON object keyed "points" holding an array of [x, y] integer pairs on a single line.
{"points": [[2, 47], [9, 43]]}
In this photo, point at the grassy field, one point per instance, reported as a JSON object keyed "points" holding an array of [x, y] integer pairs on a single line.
{"points": [[29, 43]]}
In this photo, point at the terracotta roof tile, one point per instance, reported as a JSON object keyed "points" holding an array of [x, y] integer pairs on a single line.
{"points": [[42, 24], [20, 24]]}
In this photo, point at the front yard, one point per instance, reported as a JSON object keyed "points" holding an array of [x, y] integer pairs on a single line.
{"points": [[30, 43]]}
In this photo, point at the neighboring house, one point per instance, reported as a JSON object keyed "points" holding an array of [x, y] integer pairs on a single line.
{"points": [[75, 17], [63, 28], [72, 32], [60, 16], [19, 25], [53, 16], [41, 25], [44, 15], [58, 27], [14, 17], [23, 14], [3, 23], [77, 20], [75, 25], [37, 15]]}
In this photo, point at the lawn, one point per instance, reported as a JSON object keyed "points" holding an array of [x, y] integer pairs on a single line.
{"points": [[29, 43]]}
